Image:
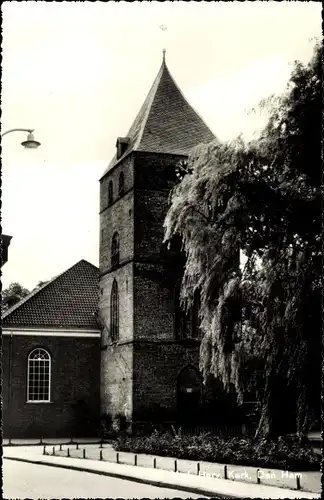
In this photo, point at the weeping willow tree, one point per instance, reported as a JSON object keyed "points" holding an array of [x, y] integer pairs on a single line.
{"points": [[261, 323]]}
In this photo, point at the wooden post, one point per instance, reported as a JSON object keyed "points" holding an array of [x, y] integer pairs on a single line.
{"points": [[117, 458], [135, 459], [175, 466], [258, 478], [77, 446], [53, 450], [68, 452], [225, 471], [44, 450], [298, 482], [84, 453], [154, 463], [100, 454], [60, 447], [198, 468]]}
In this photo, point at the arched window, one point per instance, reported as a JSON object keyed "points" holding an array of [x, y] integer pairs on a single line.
{"points": [[114, 312], [182, 319], [196, 330], [110, 193], [187, 324], [115, 250], [39, 376], [121, 185]]}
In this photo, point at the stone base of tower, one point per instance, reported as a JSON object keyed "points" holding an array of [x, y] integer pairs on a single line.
{"points": [[157, 367], [116, 386], [152, 385], [150, 382]]}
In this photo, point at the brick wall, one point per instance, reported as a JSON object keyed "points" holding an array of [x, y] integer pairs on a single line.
{"points": [[75, 376], [117, 380], [116, 360], [153, 302], [156, 368], [117, 217], [150, 208], [154, 177], [156, 270], [155, 171], [125, 166], [124, 277]]}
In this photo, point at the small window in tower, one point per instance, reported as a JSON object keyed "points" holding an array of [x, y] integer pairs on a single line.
{"points": [[115, 250], [196, 329], [181, 317], [121, 184], [110, 193], [114, 312]]}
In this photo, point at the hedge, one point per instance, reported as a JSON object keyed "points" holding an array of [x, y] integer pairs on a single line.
{"points": [[284, 453]]}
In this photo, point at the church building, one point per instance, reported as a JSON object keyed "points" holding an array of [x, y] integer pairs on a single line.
{"points": [[51, 358], [149, 347], [113, 342]]}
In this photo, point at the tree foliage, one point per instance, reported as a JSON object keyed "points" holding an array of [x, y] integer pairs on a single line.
{"points": [[261, 323], [13, 294]]}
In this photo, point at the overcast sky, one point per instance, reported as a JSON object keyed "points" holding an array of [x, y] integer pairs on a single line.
{"points": [[79, 72]]}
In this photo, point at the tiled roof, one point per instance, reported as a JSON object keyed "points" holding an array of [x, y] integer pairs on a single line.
{"points": [[166, 122], [69, 300]]}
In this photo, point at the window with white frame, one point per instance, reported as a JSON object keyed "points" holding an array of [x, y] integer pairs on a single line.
{"points": [[39, 376]]}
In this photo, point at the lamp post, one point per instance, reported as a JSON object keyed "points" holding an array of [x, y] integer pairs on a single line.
{"points": [[30, 142]]}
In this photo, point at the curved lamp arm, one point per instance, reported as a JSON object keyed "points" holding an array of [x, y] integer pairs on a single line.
{"points": [[30, 142], [30, 130]]}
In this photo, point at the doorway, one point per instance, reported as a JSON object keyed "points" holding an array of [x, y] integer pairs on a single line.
{"points": [[189, 396]]}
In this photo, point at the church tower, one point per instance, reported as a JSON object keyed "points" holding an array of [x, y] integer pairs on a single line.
{"points": [[149, 349]]}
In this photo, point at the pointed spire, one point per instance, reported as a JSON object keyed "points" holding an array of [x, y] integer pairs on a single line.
{"points": [[166, 123]]}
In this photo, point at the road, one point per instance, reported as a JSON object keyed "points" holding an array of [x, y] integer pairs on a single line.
{"points": [[26, 480]]}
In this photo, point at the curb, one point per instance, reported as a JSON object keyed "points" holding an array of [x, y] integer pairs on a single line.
{"points": [[189, 489], [42, 443], [211, 493]]}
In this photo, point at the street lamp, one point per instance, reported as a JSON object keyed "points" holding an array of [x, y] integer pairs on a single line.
{"points": [[30, 142]]}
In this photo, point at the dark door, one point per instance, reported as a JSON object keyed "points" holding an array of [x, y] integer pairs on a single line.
{"points": [[189, 396]]}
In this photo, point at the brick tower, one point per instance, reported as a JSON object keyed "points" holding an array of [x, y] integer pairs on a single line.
{"points": [[150, 349]]}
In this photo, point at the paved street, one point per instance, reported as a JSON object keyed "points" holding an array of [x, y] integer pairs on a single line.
{"points": [[25, 480]]}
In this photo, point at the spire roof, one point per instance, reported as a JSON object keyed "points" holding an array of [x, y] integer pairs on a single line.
{"points": [[166, 123]]}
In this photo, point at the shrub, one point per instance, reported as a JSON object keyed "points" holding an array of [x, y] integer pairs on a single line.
{"points": [[281, 454], [106, 430]]}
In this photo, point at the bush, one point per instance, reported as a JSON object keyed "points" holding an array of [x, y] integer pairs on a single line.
{"points": [[106, 430], [281, 454]]}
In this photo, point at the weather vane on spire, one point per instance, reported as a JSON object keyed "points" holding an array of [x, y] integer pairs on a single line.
{"points": [[163, 28]]}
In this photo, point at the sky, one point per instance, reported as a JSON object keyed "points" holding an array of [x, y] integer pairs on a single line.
{"points": [[78, 72]]}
